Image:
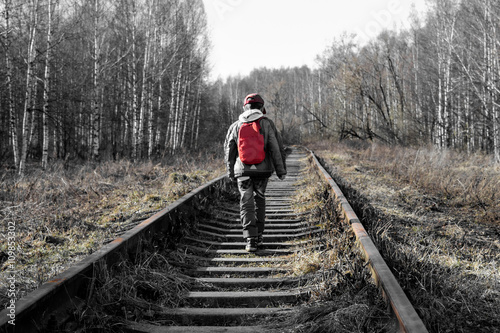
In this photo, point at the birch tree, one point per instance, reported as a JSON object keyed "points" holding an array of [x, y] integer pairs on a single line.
{"points": [[491, 76], [6, 43], [94, 99], [29, 100], [46, 89], [101, 78]]}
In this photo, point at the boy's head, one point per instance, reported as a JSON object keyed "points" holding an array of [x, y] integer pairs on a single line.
{"points": [[254, 101]]}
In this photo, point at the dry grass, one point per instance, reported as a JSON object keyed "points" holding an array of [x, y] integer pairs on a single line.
{"points": [[343, 296], [133, 292], [448, 178], [435, 216], [64, 214]]}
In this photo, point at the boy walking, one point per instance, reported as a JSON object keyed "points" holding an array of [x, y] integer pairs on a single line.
{"points": [[244, 163]]}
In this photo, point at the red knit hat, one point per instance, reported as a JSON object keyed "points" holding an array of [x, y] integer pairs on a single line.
{"points": [[254, 98]]}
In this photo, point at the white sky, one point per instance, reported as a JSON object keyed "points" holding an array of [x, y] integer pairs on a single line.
{"points": [[247, 34]]}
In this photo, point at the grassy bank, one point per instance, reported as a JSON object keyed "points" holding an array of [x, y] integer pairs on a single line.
{"points": [[65, 213], [435, 216]]}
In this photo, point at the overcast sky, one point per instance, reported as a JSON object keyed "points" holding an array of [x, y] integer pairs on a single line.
{"points": [[247, 34]]}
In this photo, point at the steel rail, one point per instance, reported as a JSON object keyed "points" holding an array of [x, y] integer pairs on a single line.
{"points": [[407, 317], [35, 311]]}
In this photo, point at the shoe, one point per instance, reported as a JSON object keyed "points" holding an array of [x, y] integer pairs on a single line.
{"points": [[260, 241], [251, 244]]}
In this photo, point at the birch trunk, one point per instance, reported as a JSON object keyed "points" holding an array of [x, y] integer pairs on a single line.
{"points": [[492, 73], [94, 103], [10, 101], [145, 105], [183, 109], [154, 82], [175, 114], [45, 145], [196, 119], [445, 32], [29, 86], [159, 107], [169, 137], [128, 134], [447, 114], [135, 109], [150, 131]]}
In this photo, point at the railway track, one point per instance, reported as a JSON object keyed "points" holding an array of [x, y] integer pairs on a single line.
{"points": [[230, 290], [233, 287]]}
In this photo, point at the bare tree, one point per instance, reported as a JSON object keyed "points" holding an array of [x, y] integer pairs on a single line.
{"points": [[7, 42], [46, 89], [30, 84]]}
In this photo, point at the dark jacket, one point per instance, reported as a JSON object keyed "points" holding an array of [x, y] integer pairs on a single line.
{"points": [[273, 146]]}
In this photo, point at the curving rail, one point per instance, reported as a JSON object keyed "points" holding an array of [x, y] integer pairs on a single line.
{"points": [[408, 319]]}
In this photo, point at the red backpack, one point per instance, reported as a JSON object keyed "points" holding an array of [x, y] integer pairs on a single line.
{"points": [[251, 143]]}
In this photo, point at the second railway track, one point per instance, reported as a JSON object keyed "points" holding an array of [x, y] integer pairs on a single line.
{"points": [[228, 289]]}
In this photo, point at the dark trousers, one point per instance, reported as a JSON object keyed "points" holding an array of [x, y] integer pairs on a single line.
{"points": [[252, 205]]}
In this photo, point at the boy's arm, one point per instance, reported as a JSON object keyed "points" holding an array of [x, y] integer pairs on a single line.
{"points": [[230, 151], [279, 140], [275, 145]]}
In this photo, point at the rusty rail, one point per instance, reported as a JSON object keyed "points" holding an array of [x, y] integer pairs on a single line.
{"points": [[408, 319], [68, 289]]}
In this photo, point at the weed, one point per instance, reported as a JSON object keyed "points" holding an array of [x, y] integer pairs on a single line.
{"points": [[434, 215], [337, 273], [64, 214]]}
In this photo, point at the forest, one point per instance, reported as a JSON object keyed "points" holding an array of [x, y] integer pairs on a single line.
{"points": [[95, 80]]}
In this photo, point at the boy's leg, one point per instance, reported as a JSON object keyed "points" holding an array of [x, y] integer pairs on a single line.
{"points": [[247, 208], [259, 186]]}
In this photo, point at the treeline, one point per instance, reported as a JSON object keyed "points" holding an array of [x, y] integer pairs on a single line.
{"points": [[101, 79], [96, 79], [434, 83]]}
